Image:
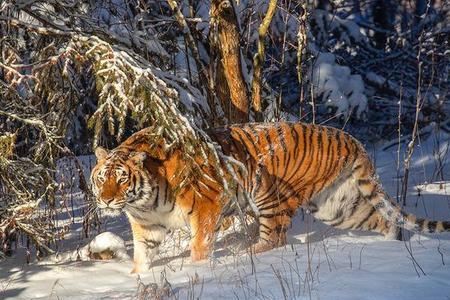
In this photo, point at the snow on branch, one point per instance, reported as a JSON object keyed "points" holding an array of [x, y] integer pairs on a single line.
{"points": [[126, 86]]}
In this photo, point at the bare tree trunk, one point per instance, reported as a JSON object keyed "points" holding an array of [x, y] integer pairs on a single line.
{"points": [[225, 61], [258, 60]]}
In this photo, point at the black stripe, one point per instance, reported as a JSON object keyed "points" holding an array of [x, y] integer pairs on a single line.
{"points": [[247, 180], [166, 192], [268, 197], [271, 149], [298, 162], [266, 240], [354, 208], [329, 161], [275, 204], [307, 144], [371, 212], [287, 159], [420, 222], [315, 177], [158, 225], [151, 244], [296, 139], [249, 138], [254, 132], [156, 203], [339, 145], [280, 229], [357, 167], [432, 226], [276, 214], [193, 204], [265, 232], [372, 195], [281, 138], [311, 159], [346, 148], [363, 181], [265, 226], [446, 225]]}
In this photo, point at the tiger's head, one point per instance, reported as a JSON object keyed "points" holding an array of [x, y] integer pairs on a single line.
{"points": [[120, 179]]}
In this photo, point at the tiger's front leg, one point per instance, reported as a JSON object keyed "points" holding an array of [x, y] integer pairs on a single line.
{"points": [[146, 240], [203, 222]]}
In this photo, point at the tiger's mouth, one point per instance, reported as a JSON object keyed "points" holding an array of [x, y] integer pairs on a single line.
{"points": [[112, 212]]}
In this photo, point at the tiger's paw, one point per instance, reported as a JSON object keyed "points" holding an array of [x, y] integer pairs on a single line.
{"points": [[197, 255], [139, 268], [263, 246]]}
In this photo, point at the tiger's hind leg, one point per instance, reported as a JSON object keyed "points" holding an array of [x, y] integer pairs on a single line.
{"points": [[273, 224], [367, 214], [344, 204], [365, 217]]}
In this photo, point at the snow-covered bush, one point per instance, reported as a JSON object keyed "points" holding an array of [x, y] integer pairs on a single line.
{"points": [[338, 88]]}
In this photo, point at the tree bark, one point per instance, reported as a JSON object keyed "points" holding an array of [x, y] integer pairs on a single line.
{"points": [[225, 61], [258, 60]]}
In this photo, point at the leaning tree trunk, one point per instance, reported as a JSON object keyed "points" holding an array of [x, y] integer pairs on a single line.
{"points": [[225, 64], [258, 60]]}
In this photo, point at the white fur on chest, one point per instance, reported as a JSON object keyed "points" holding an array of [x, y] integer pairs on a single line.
{"points": [[159, 209], [170, 219]]}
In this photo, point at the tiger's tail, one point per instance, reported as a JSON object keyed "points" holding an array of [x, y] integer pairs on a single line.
{"points": [[371, 190]]}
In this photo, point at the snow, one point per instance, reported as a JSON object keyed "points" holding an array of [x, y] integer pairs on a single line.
{"points": [[338, 87], [319, 262], [108, 241]]}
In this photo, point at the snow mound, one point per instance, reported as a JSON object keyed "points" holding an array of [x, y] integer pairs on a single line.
{"points": [[104, 246], [106, 243]]}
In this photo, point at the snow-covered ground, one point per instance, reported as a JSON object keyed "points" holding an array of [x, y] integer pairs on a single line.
{"points": [[319, 262]]}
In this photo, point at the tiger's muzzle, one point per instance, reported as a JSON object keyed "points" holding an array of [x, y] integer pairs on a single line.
{"points": [[111, 206]]}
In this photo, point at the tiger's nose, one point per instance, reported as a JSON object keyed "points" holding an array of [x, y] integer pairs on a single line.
{"points": [[107, 201]]}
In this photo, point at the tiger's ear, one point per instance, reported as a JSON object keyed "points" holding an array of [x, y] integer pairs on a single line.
{"points": [[101, 153], [138, 158]]}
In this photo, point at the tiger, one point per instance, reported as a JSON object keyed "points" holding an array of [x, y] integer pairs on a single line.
{"points": [[287, 166]]}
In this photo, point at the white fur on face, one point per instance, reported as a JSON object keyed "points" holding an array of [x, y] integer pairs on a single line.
{"points": [[111, 212]]}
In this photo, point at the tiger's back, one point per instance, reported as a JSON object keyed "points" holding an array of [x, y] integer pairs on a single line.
{"points": [[289, 159]]}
